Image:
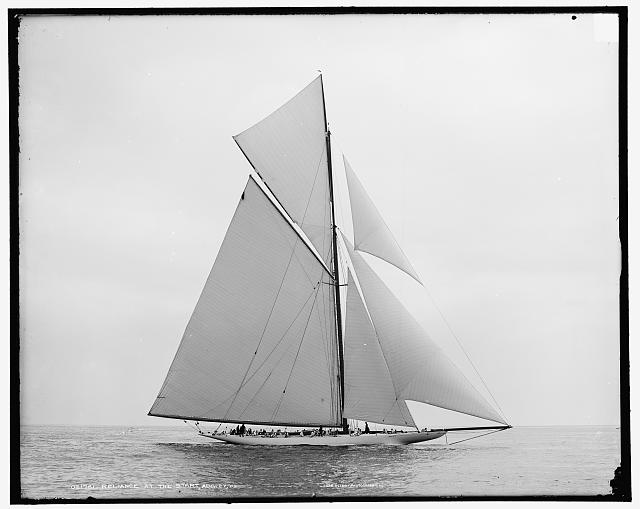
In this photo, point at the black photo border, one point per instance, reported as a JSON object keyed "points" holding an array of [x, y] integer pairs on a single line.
{"points": [[14, 18]]}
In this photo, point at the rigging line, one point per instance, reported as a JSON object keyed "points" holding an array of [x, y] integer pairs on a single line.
{"points": [[345, 256], [264, 382], [395, 403], [402, 413], [304, 215], [284, 276], [411, 316], [272, 198], [268, 355], [343, 250], [325, 345], [284, 334], [331, 347], [483, 435], [315, 178], [326, 217], [302, 266], [304, 269], [464, 351], [344, 273], [375, 331], [194, 426], [304, 332], [327, 352], [332, 356], [342, 205]]}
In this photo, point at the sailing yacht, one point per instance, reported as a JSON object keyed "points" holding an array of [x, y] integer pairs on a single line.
{"points": [[274, 340]]}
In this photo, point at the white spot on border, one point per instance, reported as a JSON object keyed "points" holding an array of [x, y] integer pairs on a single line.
{"points": [[605, 27]]}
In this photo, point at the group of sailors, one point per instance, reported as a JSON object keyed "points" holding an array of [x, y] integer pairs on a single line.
{"points": [[242, 430]]}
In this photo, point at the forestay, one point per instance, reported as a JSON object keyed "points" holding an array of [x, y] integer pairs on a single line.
{"points": [[371, 233], [288, 151], [260, 346], [370, 394], [419, 368]]}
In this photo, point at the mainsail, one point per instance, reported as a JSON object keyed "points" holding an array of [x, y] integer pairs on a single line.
{"points": [[260, 346], [289, 153], [371, 233], [418, 367]]}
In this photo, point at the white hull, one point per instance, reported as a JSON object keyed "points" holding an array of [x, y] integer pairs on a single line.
{"points": [[339, 440]]}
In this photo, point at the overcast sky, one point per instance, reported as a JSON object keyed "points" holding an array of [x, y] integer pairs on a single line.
{"points": [[488, 143]]}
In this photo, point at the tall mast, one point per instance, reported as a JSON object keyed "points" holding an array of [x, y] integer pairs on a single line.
{"points": [[336, 266]]}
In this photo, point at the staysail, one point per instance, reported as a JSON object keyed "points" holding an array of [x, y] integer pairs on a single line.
{"points": [[289, 152], [419, 368], [260, 346], [371, 233], [369, 392]]}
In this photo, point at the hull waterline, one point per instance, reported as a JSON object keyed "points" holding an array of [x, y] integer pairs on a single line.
{"points": [[339, 440]]}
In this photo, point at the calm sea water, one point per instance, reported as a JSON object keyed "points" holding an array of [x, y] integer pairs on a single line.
{"points": [[157, 462]]}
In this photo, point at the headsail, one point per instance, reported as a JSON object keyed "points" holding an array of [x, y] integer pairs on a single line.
{"points": [[419, 368], [370, 394], [288, 151], [371, 233], [260, 346]]}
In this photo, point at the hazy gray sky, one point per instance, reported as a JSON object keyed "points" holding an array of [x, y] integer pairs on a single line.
{"points": [[489, 144]]}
